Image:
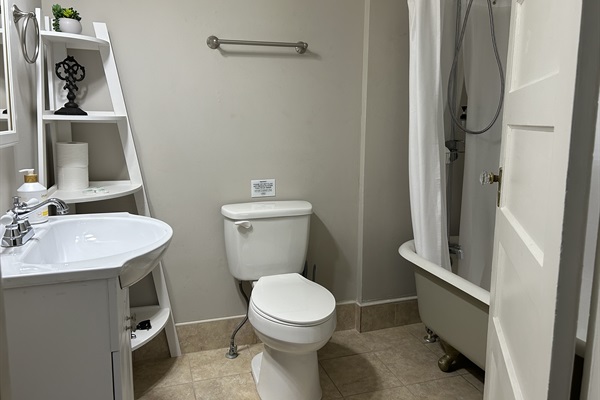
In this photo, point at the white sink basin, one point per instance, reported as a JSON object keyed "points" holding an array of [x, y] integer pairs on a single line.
{"points": [[87, 246]]}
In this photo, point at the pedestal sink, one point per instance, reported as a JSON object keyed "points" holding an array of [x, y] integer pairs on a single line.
{"points": [[85, 247]]}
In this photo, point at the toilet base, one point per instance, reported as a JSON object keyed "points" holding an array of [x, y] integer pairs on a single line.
{"points": [[291, 376]]}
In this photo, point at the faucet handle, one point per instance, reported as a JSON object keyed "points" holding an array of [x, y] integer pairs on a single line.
{"points": [[17, 206], [17, 203], [7, 218]]}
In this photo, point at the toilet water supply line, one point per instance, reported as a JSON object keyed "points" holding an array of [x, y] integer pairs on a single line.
{"points": [[232, 352]]}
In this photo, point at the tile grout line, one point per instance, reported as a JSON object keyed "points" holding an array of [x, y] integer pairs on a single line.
{"points": [[390, 371], [329, 377], [439, 379], [469, 382]]}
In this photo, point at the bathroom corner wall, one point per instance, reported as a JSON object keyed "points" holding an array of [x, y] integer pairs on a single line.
{"points": [[385, 198]]}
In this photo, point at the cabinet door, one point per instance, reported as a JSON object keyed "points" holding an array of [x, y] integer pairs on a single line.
{"points": [[121, 359], [58, 341]]}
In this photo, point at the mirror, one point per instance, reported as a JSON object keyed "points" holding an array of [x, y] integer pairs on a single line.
{"points": [[8, 136]]}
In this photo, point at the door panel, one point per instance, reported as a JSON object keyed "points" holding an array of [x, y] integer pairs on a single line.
{"points": [[529, 179], [534, 55], [525, 326]]}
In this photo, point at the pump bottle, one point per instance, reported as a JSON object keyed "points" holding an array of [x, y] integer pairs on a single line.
{"points": [[31, 189]]}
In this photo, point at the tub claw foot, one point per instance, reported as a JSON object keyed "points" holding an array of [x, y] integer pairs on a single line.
{"points": [[445, 362], [451, 360], [430, 337]]}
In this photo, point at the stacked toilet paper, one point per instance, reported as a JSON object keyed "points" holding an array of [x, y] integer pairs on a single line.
{"points": [[72, 165]]}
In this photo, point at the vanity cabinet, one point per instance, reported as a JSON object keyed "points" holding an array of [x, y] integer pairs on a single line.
{"points": [[69, 340], [107, 129]]}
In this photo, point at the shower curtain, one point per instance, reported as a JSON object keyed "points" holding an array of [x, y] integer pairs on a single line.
{"points": [[427, 176]]}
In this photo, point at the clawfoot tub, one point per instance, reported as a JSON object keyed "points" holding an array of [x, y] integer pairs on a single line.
{"points": [[454, 308]]}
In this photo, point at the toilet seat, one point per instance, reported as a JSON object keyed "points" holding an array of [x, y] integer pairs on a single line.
{"points": [[291, 299]]}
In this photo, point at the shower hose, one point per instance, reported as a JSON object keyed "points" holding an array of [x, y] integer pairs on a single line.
{"points": [[451, 99]]}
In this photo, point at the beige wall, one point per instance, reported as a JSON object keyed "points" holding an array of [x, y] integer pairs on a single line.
{"points": [[206, 122], [8, 185], [386, 222]]}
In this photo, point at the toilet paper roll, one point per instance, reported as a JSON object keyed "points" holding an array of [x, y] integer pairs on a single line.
{"points": [[72, 154], [73, 178]]}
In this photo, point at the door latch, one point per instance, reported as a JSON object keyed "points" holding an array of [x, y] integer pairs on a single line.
{"points": [[489, 178]]}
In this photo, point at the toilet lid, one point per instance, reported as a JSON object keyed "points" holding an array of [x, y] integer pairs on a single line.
{"points": [[293, 299]]}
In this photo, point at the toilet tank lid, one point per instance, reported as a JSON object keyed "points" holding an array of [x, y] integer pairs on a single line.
{"points": [[266, 209]]}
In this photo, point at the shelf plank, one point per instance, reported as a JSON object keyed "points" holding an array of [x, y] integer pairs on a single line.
{"points": [[74, 41], [158, 319], [93, 116], [108, 190]]}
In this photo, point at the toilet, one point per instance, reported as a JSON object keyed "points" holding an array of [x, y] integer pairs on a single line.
{"points": [[266, 243]]}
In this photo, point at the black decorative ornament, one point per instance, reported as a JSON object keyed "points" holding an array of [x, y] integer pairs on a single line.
{"points": [[70, 71]]}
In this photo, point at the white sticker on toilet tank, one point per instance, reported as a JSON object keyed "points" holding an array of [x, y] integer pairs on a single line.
{"points": [[262, 188]]}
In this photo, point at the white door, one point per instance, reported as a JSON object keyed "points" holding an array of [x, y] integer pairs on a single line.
{"points": [[533, 310]]}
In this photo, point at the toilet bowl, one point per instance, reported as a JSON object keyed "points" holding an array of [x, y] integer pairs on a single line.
{"points": [[266, 243], [294, 318]]}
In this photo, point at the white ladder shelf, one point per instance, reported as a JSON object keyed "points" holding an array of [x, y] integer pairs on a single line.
{"points": [[52, 128]]}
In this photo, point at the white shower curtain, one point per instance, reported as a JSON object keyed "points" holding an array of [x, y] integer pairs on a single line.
{"points": [[427, 174]]}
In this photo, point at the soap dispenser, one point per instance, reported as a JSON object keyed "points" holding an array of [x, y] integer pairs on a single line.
{"points": [[32, 189]]}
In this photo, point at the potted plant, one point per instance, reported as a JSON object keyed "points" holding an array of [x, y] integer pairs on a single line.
{"points": [[66, 19]]}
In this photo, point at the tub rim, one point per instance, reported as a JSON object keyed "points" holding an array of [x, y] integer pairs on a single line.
{"points": [[407, 251]]}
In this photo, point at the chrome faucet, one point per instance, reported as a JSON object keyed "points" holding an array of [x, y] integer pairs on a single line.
{"points": [[22, 208], [19, 230]]}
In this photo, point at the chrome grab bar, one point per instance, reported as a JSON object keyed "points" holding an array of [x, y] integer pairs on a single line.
{"points": [[17, 16], [214, 43]]}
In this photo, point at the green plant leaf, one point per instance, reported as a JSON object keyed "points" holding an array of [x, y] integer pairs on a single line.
{"points": [[59, 12]]}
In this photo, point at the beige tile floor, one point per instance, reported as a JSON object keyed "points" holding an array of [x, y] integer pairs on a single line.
{"points": [[389, 364]]}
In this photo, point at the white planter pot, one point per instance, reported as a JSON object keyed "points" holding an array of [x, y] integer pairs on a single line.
{"points": [[69, 25]]}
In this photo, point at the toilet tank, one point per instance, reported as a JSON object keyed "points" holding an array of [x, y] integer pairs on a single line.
{"points": [[266, 238]]}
